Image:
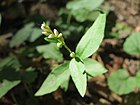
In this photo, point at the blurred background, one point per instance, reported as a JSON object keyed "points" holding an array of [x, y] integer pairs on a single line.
{"points": [[26, 58]]}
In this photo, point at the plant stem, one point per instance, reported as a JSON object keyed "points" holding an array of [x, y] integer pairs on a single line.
{"points": [[27, 89], [139, 61], [67, 47], [14, 98], [69, 18]]}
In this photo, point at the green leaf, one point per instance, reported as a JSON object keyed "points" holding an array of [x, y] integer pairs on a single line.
{"points": [[29, 76], [53, 40], [6, 85], [87, 4], [9, 69], [121, 83], [82, 15], [57, 76], [82, 10], [132, 44], [92, 39], [138, 79], [93, 67], [11, 62], [77, 71], [36, 33], [22, 35], [50, 51], [65, 84]]}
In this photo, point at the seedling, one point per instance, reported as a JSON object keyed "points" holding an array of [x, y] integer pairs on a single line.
{"points": [[120, 80], [80, 65]]}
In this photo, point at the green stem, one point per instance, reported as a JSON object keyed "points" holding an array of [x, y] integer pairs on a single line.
{"points": [[69, 18], [139, 61], [67, 47]]}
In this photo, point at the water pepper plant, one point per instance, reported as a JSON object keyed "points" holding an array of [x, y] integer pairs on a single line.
{"points": [[80, 66]]}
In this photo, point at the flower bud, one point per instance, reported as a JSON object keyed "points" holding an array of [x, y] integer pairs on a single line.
{"points": [[55, 32], [72, 54], [43, 26], [44, 32], [60, 35], [59, 45], [51, 36]]}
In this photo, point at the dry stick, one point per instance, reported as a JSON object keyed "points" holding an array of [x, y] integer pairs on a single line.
{"points": [[14, 99], [27, 89]]}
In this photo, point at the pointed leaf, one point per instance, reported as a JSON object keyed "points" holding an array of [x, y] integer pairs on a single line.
{"points": [[53, 40], [77, 71], [87, 4], [11, 62], [36, 33], [65, 84], [6, 85], [82, 15], [54, 79], [50, 51], [22, 35], [93, 67], [92, 39]]}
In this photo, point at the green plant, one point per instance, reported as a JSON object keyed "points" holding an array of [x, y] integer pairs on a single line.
{"points": [[77, 18], [11, 65], [120, 80], [82, 10], [50, 51], [28, 32], [80, 65], [120, 30], [69, 27], [132, 44], [122, 83]]}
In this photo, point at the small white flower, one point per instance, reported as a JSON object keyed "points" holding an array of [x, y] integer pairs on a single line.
{"points": [[43, 26], [55, 32], [60, 35], [44, 32], [51, 36]]}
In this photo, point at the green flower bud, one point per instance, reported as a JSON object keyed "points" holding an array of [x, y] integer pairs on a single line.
{"points": [[59, 45], [72, 54]]}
